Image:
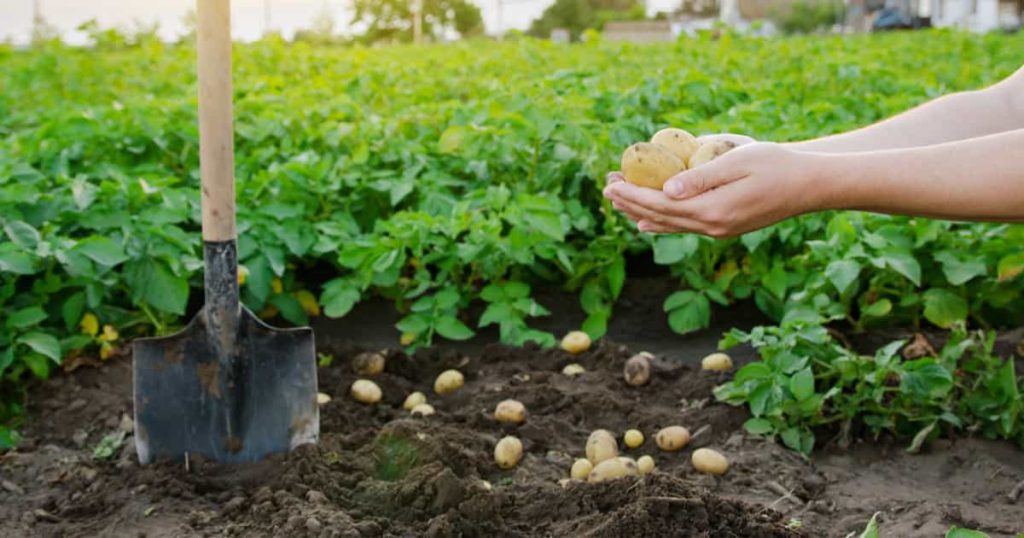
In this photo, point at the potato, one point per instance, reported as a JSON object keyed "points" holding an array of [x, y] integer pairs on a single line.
{"points": [[637, 370], [322, 398], [608, 470], [573, 370], [564, 482], [448, 382], [370, 363], [581, 469], [709, 461], [510, 411], [678, 142], [672, 438], [601, 446], [633, 438], [649, 165], [366, 391], [710, 151], [645, 464], [718, 362], [576, 342], [413, 400], [486, 485], [630, 465], [508, 452], [422, 410]]}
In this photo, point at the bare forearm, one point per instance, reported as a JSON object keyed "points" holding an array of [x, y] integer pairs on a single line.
{"points": [[953, 117], [976, 179]]}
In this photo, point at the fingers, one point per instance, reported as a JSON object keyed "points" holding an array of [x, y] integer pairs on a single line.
{"points": [[614, 177], [703, 178], [653, 221], [737, 139]]}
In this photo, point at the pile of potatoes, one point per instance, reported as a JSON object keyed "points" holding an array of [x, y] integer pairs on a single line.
{"points": [[670, 151], [603, 462]]}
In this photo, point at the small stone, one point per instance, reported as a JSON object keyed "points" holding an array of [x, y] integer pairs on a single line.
{"points": [[28, 518], [127, 425], [233, 505], [313, 525], [80, 437], [12, 487], [368, 528], [77, 404], [43, 515], [88, 473], [316, 497]]}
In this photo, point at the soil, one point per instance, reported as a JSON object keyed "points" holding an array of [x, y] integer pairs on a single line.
{"points": [[379, 472]]}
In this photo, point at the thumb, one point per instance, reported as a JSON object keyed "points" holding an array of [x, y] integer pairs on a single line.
{"points": [[698, 180]]}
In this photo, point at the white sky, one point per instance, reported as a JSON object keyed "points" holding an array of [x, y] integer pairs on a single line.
{"points": [[248, 20]]}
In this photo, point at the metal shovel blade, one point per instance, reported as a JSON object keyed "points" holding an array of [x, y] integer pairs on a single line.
{"points": [[230, 397]]}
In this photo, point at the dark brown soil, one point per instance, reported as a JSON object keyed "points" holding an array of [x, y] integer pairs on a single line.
{"points": [[379, 472]]}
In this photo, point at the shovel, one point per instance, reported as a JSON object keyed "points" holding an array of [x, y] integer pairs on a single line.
{"points": [[228, 386]]}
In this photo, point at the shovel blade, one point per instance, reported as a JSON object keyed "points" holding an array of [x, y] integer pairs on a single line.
{"points": [[231, 398]]}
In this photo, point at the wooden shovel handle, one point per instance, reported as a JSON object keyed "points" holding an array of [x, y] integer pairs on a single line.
{"points": [[216, 135]]}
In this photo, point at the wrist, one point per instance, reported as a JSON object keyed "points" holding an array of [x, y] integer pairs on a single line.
{"points": [[818, 181]]}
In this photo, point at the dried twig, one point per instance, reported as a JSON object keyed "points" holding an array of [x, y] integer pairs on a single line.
{"points": [[1015, 493], [775, 487]]}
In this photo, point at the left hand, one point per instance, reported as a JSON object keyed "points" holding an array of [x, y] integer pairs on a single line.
{"points": [[748, 188]]}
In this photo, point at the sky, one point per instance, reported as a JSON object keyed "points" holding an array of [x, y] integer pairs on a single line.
{"points": [[248, 15]]}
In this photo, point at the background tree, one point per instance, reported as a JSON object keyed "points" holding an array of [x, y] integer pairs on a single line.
{"points": [[579, 15], [392, 20]]}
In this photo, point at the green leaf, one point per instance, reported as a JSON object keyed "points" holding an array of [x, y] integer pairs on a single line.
{"points": [[153, 283], [38, 364], [1010, 267], [16, 262], [758, 426], [903, 263], [959, 271], [72, 310], [616, 276], [926, 379], [842, 273], [753, 370], [43, 343], [871, 531], [944, 307], [802, 384], [101, 250], [290, 308], [669, 249], [877, 309], [596, 324], [413, 324], [339, 298], [6, 359], [453, 329], [957, 532], [26, 317], [689, 316], [921, 437], [22, 234]]}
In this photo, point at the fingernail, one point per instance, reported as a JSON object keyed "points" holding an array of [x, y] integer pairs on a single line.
{"points": [[673, 188]]}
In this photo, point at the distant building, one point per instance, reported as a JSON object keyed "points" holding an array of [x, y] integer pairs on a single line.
{"points": [[639, 31], [977, 15]]}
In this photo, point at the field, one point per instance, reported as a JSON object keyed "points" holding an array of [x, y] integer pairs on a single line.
{"points": [[432, 200]]}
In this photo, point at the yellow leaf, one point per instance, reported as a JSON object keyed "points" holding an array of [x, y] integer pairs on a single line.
{"points": [[276, 285], [407, 338], [268, 313], [106, 350], [109, 333], [243, 275], [89, 324], [308, 302]]}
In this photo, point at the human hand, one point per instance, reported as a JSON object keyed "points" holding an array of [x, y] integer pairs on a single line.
{"points": [[748, 188]]}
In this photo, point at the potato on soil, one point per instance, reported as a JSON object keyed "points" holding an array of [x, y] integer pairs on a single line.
{"points": [[717, 362], [576, 342], [448, 382], [645, 464], [369, 363], [672, 438], [573, 370], [608, 470], [581, 469], [601, 446], [633, 438], [512, 411], [422, 410], [508, 452], [322, 398], [649, 165], [709, 461], [366, 391], [710, 151], [413, 400], [678, 142], [630, 464], [637, 370]]}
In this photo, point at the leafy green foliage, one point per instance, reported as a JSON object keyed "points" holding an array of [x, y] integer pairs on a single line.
{"points": [[806, 380]]}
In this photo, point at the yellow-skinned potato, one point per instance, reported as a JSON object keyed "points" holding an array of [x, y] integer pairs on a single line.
{"points": [[581, 469], [678, 142], [573, 370], [369, 363], [645, 464], [366, 391], [601, 446], [672, 438], [710, 151], [413, 400], [649, 165], [448, 382], [512, 411], [630, 464], [576, 342], [633, 438], [608, 470], [508, 452], [709, 461], [323, 398], [717, 362], [422, 410], [637, 371]]}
